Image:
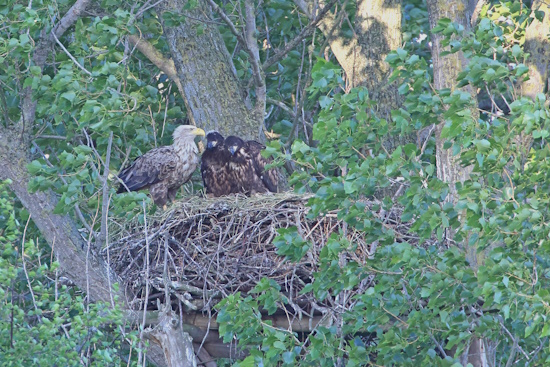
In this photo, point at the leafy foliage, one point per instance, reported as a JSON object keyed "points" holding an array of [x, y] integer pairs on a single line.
{"points": [[428, 301], [43, 322]]}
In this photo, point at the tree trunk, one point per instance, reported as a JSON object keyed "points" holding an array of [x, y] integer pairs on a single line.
{"points": [[176, 344], [377, 31], [446, 70], [538, 46], [58, 230], [208, 78]]}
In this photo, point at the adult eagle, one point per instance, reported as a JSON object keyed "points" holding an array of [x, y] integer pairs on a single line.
{"points": [[163, 170], [214, 166], [247, 173]]}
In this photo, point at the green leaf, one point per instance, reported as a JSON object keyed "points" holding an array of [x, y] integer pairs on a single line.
{"points": [[516, 51], [69, 96], [539, 14]]}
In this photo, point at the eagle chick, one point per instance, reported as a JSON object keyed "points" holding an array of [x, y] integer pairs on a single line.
{"points": [[165, 169], [214, 166], [247, 167]]}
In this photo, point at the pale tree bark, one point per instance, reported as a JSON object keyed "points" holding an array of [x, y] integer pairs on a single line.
{"points": [[446, 70], [176, 344], [155, 56], [538, 46], [211, 90], [377, 31]]}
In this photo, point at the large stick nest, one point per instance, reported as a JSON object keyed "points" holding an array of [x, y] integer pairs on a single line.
{"points": [[202, 249]]}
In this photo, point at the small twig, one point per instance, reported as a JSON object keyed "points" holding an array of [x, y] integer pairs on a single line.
{"points": [[88, 248], [124, 95], [432, 128], [146, 7], [105, 203], [145, 300], [505, 101], [55, 137], [511, 336], [492, 100], [304, 33], [287, 109], [542, 344], [165, 278], [439, 347], [69, 54], [227, 21], [25, 268]]}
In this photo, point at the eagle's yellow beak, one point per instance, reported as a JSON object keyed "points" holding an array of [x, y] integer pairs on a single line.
{"points": [[199, 131]]}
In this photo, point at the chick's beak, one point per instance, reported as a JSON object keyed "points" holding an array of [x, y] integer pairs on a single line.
{"points": [[232, 149], [211, 144]]}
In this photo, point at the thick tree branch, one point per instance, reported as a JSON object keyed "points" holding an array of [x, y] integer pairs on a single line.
{"points": [[58, 230], [41, 53], [71, 17], [474, 9], [538, 46], [211, 93], [227, 21], [166, 65], [177, 344], [254, 52], [302, 5]]}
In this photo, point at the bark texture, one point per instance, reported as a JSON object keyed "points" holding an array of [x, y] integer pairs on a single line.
{"points": [[176, 344], [446, 69], [210, 87], [377, 31], [538, 46], [59, 231]]}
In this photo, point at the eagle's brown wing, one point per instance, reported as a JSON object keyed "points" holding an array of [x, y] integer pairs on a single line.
{"points": [[243, 177], [268, 177], [215, 172], [148, 169]]}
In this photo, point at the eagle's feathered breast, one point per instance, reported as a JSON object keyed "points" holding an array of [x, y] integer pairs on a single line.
{"points": [[233, 166], [214, 166], [163, 170], [247, 167]]}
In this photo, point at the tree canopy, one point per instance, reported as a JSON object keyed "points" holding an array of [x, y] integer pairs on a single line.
{"points": [[438, 112]]}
